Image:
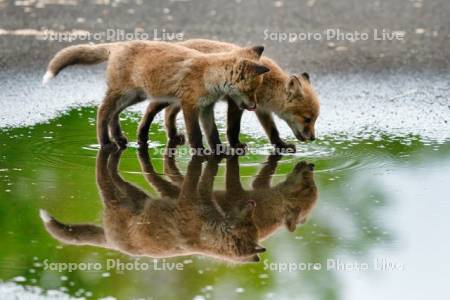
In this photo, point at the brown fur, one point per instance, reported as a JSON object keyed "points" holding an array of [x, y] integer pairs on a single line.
{"points": [[286, 204], [165, 72], [184, 221], [291, 97]]}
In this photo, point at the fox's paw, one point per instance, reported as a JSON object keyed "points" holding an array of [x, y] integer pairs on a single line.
{"points": [[179, 139], [239, 145], [285, 148]]}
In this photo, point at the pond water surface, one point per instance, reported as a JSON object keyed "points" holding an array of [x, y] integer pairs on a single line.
{"points": [[375, 214]]}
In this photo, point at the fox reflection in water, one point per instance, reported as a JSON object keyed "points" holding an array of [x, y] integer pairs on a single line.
{"points": [[190, 217]]}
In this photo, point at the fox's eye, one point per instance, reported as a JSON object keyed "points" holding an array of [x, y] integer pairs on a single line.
{"points": [[307, 120]]}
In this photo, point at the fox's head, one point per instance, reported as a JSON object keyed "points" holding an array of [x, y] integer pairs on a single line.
{"points": [[240, 238], [301, 107], [245, 76], [302, 195]]}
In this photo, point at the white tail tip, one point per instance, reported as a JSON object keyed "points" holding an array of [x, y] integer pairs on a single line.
{"points": [[48, 75], [45, 216]]}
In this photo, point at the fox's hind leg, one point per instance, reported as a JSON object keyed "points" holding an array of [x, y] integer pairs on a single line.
{"points": [[105, 114], [116, 131], [128, 98]]}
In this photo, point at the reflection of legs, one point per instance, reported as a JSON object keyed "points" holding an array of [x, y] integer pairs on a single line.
{"points": [[170, 118], [171, 170], [104, 115], [209, 127], [104, 181], [188, 191], [206, 183], [234, 116], [264, 176], [144, 126], [232, 177], [164, 187], [127, 194]]}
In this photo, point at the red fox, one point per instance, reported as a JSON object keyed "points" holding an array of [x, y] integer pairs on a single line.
{"points": [[166, 73], [183, 221], [290, 97]]}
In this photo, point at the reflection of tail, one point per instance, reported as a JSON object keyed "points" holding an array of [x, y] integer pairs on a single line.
{"points": [[82, 234], [78, 54]]}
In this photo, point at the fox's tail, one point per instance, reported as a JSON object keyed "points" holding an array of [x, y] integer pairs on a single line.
{"points": [[78, 54], [81, 234]]}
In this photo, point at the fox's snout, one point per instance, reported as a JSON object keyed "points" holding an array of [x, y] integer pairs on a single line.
{"points": [[305, 136]]}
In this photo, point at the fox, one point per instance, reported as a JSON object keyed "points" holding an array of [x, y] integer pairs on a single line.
{"points": [[286, 204], [179, 223], [291, 97], [166, 73]]}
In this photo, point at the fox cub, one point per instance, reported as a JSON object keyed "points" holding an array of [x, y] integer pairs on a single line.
{"points": [[166, 73], [184, 221], [291, 97]]}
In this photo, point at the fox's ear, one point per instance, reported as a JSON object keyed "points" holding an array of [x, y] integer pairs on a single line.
{"points": [[252, 69], [253, 258], [258, 50], [248, 209], [259, 249], [305, 76], [294, 88], [260, 69], [254, 52]]}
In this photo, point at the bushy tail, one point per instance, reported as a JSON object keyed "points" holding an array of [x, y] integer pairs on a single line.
{"points": [[78, 54], [81, 234]]}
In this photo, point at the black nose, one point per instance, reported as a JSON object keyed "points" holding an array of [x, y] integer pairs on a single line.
{"points": [[313, 138]]}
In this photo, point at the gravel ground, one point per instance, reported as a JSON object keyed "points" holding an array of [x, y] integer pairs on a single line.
{"points": [[424, 23]]}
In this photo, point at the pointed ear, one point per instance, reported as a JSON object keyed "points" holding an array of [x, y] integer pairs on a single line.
{"points": [[248, 209], [260, 69], [293, 88], [258, 50], [252, 52], [253, 258], [306, 76], [250, 69], [259, 249]]}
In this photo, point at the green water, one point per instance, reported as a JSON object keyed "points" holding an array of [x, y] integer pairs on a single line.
{"points": [[359, 216]]}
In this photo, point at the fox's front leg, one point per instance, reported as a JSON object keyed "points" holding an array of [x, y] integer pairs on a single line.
{"points": [[191, 117], [209, 127], [271, 130], [234, 116]]}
